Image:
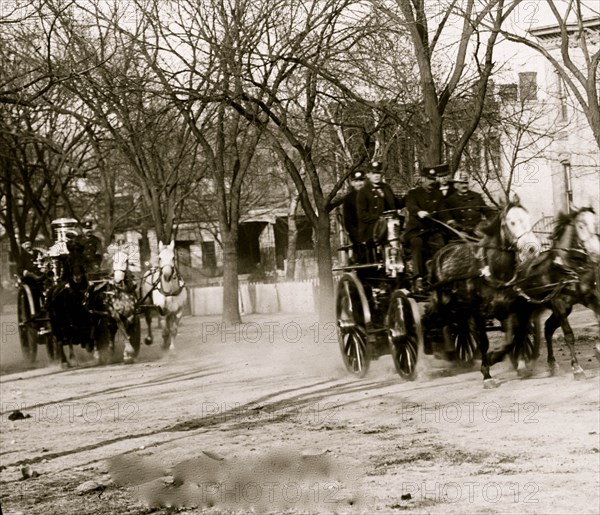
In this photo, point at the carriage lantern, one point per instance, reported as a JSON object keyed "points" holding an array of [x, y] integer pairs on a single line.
{"points": [[62, 228], [394, 263]]}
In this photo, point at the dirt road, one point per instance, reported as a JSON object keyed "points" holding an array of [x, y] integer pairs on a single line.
{"points": [[262, 417]]}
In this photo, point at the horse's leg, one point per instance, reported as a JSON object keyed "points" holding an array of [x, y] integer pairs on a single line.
{"points": [[562, 310], [96, 354], [61, 341], [597, 347], [148, 317], [64, 362], [477, 324], [167, 323], [509, 325], [594, 305], [174, 323], [551, 325], [128, 351], [526, 354]]}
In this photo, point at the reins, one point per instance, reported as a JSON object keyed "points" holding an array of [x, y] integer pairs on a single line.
{"points": [[463, 236], [558, 287]]}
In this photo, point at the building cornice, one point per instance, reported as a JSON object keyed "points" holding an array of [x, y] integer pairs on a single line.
{"points": [[550, 32]]}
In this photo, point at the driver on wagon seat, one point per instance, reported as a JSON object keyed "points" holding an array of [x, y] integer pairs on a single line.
{"points": [[92, 247], [465, 209], [422, 234]]}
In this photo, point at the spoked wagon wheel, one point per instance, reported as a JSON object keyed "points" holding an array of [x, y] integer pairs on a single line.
{"points": [[27, 329], [405, 333], [522, 359], [463, 341], [352, 314]]}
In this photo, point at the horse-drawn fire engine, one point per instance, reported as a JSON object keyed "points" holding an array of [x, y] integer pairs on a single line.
{"points": [[65, 305]]}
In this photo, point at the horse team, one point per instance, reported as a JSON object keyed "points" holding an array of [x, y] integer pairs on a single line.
{"points": [[506, 276], [89, 310]]}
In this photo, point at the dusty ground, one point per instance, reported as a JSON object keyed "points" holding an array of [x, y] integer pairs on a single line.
{"points": [[262, 418]]}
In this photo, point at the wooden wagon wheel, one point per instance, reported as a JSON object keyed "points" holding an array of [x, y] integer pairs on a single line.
{"points": [[463, 340], [405, 333], [353, 316], [28, 334], [531, 347]]}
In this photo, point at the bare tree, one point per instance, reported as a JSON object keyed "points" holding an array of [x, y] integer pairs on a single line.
{"points": [[117, 91], [301, 76], [24, 73], [427, 25], [42, 155], [200, 53]]}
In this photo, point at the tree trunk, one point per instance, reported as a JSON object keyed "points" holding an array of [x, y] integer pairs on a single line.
{"points": [[593, 117], [325, 304], [434, 131], [231, 307], [292, 239]]}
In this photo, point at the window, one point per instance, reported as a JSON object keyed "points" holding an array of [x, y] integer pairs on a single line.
{"points": [[528, 86], [495, 151], [209, 256], [305, 234], [508, 92]]}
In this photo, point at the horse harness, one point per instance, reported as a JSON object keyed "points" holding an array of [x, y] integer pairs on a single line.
{"points": [[158, 284]]}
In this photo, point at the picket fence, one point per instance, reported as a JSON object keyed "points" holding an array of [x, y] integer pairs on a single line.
{"points": [[259, 298]]}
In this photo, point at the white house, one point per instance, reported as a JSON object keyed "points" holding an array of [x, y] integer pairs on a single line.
{"points": [[563, 167]]}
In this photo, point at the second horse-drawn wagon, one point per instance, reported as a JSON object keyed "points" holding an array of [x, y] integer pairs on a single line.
{"points": [[66, 303]]}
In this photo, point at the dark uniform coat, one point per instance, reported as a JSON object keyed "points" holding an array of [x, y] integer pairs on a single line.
{"points": [[371, 203], [92, 251], [419, 199], [29, 261], [350, 215], [466, 210]]}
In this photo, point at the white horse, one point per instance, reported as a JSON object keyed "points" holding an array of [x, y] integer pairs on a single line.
{"points": [[163, 288]]}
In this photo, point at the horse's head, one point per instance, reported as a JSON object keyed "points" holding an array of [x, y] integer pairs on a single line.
{"points": [[166, 259], [120, 262], [75, 272], [578, 229], [513, 229], [517, 231]]}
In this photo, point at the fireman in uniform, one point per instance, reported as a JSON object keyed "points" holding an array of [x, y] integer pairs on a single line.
{"points": [[372, 200], [350, 207], [350, 214], [445, 184], [422, 234], [30, 271], [92, 248], [465, 209]]}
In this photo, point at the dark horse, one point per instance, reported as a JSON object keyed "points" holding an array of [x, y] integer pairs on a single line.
{"points": [[118, 294], [75, 312], [472, 282], [565, 275]]}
